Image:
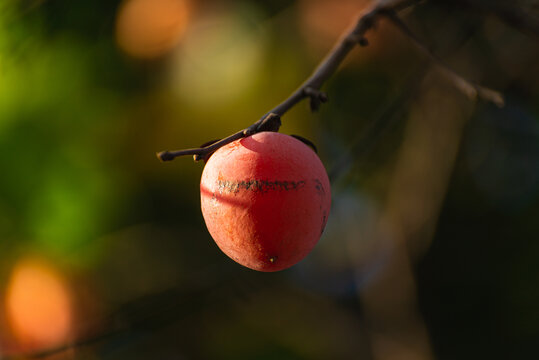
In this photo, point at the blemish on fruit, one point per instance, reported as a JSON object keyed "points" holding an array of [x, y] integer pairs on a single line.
{"points": [[324, 220], [273, 259], [319, 188], [258, 185]]}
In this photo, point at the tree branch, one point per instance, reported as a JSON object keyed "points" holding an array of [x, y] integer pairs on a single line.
{"points": [[311, 87]]}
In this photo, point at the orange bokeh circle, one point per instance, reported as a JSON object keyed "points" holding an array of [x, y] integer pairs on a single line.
{"points": [[150, 28], [38, 304]]}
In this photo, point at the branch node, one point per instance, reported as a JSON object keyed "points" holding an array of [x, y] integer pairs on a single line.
{"points": [[354, 38], [369, 19], [323, 97], [270, 122], [317, 97], [251, 129], [198, 157]]}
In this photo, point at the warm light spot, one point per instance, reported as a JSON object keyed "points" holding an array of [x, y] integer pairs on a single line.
{"points": [[150, 28], [38, 305], [322, 23], [221, 58]]}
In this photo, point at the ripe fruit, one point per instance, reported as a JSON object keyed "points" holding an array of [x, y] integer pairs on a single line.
{"points": [[265, 199]]}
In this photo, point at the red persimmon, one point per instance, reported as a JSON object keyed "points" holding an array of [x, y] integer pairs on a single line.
{"points": [[265, 200]]}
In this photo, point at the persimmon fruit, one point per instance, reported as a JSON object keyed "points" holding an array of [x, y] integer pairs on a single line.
{"points": [[265, 200]]}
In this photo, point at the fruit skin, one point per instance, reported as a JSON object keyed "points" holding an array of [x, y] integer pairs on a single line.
{"points": [[265, 200]]}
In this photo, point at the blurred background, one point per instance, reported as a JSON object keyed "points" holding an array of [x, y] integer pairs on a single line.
{"points": [[432, 246]]}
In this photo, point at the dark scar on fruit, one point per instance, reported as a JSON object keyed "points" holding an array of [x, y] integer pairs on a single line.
{"points": [[319, 188], [324, 218], [258, 185]]}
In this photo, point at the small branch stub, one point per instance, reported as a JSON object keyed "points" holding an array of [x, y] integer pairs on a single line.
{"points": [[317, 97]]}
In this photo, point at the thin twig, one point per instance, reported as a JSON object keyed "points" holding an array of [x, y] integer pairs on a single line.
{"points": [[470, 89], [270, 122], [387, 116], [520, 18]]}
